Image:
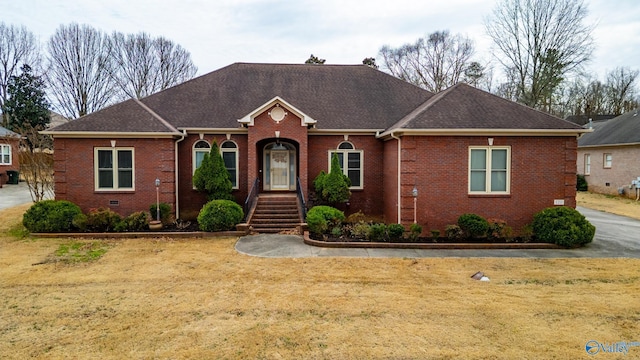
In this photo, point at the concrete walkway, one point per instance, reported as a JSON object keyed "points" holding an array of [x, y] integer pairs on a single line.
{"points": [[616, 237]]}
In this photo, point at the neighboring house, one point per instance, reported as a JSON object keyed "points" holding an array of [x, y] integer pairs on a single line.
{"points": [[463, 150], [609, 157], [9, 159]]}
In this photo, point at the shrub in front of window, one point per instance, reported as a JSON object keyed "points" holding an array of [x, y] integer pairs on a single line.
{"points": [[212, 176], [563, 226], [581, 184], [51, 216], [165, 212], [220, 215], [333, 187], [137, 221], [473, 225], [396, 232], [322, 219], [102, 220]]}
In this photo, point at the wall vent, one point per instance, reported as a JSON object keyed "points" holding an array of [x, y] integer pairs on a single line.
{"points": [[114, 202]]}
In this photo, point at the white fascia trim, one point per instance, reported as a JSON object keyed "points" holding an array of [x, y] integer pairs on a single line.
{"points": [[249, 118], [215, 130], [104, 135], [343, 131], [486, 132]]}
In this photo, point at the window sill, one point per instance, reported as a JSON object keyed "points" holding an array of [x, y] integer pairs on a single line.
{"points": [[112, 191], [489, 195]]}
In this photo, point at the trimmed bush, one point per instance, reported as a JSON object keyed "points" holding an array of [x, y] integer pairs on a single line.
{"points": [[581, 183], [453, 232], [321, 219], [220, 215], [395, 232], [377, 232], [138, 221], [415, 231], [473, 225], [51, 216], [102, 220], [165, 212], [563, 226]]}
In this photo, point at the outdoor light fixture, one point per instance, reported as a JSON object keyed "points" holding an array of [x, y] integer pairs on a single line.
{"points": [[490, 141], [277, 134], [157, 199], [414, 192]]}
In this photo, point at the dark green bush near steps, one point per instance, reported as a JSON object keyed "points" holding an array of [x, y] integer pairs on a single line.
{"points": [[220, 215], [321, 219], [51, 216], [562, 226]]}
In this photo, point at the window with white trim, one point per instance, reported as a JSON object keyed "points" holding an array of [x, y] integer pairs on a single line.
{"points": [[607, 161], [587, 164], [5, 154], [351, 163], [489, 170], [229, 151], [114, 169], [200, 148]]}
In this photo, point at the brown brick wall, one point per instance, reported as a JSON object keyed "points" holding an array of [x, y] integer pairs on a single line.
{"points": [[542, 169], [625, 166], [74, 174]]}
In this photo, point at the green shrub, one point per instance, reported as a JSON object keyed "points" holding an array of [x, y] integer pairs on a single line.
{"points": [[359, 230], [165, 212], [51, 216], [581, 183], [220, 215], [377, 232], [395, 232], [138, 221], [336, 231], [563, 226], [102, 220], [473, 225], [435, 234], [333, 187], [321, 219], [212, 176], [453, 232], [415, 231]]}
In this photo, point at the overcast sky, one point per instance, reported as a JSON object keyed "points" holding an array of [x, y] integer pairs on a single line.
{"points": [[220, 32]]}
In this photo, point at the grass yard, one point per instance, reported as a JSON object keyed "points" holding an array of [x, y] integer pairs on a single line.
{"points": [[199, 299]]}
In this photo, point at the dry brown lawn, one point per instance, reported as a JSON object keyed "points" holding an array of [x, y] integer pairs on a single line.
{"points": [[200, 299]]}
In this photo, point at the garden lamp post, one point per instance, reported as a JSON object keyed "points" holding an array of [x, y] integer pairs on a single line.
{"points": [[157, 199], [414, 192]]}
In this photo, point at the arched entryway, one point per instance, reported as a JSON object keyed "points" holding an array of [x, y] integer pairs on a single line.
{"points": [[279, 166]]}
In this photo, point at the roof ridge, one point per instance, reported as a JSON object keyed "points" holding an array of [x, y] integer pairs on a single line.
{"points": [[155, 115]]}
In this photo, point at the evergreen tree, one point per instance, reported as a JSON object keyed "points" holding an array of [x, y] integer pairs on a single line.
{"points": [[27, 106], [212, 176], [336, 185]]}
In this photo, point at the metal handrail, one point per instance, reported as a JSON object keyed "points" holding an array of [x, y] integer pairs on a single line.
{"points": [[250, 202], [300, 195]]}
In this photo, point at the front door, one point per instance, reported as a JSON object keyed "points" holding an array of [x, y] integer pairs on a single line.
{"points": [[279, 169]]}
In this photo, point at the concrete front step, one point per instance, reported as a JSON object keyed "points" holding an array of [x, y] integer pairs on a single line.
{"points": [[275, 213]]}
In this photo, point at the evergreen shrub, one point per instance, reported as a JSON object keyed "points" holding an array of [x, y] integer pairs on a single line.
{"points": [[321, 219], [220, 215], [473, 225], [51, 216], [562, 226]]}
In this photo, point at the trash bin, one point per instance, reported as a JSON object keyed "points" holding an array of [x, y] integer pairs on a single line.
{"points": [[13, 177]]}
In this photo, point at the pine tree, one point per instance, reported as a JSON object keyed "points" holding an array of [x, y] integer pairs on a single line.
{"points": [[336, 185], [212, 176], [27, 106]]}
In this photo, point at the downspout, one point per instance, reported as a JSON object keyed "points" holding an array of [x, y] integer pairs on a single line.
{"points": [[175, 167], [399, 176]]}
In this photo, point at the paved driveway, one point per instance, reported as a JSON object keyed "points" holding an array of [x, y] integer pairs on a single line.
{"points": [[616, 237]]}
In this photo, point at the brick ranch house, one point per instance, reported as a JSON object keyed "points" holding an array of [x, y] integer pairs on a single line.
{"points": [[463, 150], [9, 159], [609, 157]]}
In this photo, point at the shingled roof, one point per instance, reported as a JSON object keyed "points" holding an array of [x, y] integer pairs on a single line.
{"points": [[337, 96], [624, 129], [6, 133], [465, 107]]}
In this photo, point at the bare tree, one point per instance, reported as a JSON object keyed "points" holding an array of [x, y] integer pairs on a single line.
{"points": [[542, 41], [18, 46], [175, 63], [621, 90], [79, 68], [434, 63], [36, 162], [136, 70]]}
